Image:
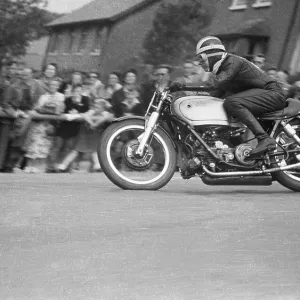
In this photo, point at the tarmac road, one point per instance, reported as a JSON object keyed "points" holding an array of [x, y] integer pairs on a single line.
{"points": [[79, 237]]}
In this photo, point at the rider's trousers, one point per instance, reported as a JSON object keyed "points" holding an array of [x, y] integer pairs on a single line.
{"points": [[255, 102]]}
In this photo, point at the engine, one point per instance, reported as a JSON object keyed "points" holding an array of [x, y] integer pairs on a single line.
{"points": [[226, 142]]}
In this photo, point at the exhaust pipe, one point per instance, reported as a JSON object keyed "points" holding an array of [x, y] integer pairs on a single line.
{"points": [[238, 180], [250, 173]]}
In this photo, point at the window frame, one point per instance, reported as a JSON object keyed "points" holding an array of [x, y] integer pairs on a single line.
{"points": [[83, 33], [98, 41], [236, 6], [53, 41], [70, 41], [262, 3]]}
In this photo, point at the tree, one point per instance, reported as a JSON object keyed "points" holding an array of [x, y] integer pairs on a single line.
{"points": [[176, 31], [21, 21]]}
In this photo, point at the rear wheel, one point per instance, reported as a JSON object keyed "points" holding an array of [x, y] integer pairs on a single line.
{"points": [[291, 178], [117, 157]]}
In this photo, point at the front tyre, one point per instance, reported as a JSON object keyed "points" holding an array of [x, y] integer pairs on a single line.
{"points": [[116, 153], [291, 178]]}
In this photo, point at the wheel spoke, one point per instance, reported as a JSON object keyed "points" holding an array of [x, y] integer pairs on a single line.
{"points": [[287, 143], [130, 167]]}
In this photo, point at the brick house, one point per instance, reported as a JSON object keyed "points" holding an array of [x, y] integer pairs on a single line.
{"points": [[35, 53], [101, 35], [107, 35], [271, 27]]}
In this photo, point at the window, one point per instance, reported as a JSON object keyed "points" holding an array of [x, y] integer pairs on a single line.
{"points": [[239, 46], [52, 43], [238, 4], [295, 62], [262, 3], [98, 41], [83, 41], [70, 42], [56, 42]]}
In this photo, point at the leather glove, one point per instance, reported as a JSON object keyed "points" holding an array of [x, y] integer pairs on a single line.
{"points": [[177, 85]]}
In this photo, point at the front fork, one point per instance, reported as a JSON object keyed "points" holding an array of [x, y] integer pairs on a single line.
{"points": [[143, 139], [288, 129]]}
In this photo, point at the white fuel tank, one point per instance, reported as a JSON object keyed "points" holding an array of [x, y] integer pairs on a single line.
{"points": [[203, 110]]}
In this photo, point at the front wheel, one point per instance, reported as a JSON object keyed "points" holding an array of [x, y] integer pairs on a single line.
{"points": [[291, 178], [116, 153]]}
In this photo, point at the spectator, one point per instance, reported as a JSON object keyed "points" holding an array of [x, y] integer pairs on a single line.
{"points": [[40, 135], [35, 88], [76, 79], [48, 74], [193, 78], [161, 78], [14, 72], [259, 60], [189, 70], [112, 86], [282, 78], [18, 103], [272, 72], [297, 92], [35, 92], [89, 134], [126, 101], [294, 91], [4, 83], [68, 131], [96, 85], [86, 89]]}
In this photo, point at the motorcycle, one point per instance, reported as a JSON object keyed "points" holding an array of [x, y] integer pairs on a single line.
{"points": [[195, 136]]}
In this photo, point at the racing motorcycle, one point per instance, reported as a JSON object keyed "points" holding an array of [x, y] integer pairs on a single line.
{"points": [[195, 136]]}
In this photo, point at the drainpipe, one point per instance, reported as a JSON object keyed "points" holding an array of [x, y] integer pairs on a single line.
{"points": [[47, 49], [289, 32], [104, 50]]}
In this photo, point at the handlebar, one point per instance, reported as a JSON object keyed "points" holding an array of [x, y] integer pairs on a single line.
{"points": [[190, 88]]}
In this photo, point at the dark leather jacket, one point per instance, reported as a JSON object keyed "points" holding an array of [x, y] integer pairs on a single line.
{"points": [[237, 74]]}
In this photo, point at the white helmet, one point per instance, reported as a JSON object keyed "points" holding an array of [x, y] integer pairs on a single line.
{"points": [[209, 43]]}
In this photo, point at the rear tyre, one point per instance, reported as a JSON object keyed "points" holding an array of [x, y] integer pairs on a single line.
{"points": [[116, 156], [291, 178]]}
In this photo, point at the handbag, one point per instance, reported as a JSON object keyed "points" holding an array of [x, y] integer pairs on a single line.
{"points": [[47, 109]]}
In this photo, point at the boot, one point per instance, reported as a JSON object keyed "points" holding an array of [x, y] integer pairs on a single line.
{"points": [[265, 144]]}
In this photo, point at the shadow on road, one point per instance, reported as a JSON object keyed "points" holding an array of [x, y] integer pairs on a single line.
{"points": [[214, 192]]}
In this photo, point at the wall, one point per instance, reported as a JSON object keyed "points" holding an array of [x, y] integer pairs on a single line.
{"points": [[282, 11], [85, 60], [290, 46], [278, 17], [126, 38], [225, 19], [35, 53]]}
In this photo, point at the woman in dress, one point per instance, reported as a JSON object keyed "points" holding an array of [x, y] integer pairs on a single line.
{"points": [[76, 106], [40, 135]]}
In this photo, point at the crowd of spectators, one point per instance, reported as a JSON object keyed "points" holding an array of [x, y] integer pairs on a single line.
{"points": [[87, 105]]}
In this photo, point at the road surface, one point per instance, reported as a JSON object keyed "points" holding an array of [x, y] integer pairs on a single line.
{"points": [[77, 236]]}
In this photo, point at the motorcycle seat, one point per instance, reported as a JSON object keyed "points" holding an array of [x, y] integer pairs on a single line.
{"points": [[291, 110]]}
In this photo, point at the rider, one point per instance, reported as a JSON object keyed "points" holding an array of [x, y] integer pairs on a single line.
{"points": [[248, 90]]}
